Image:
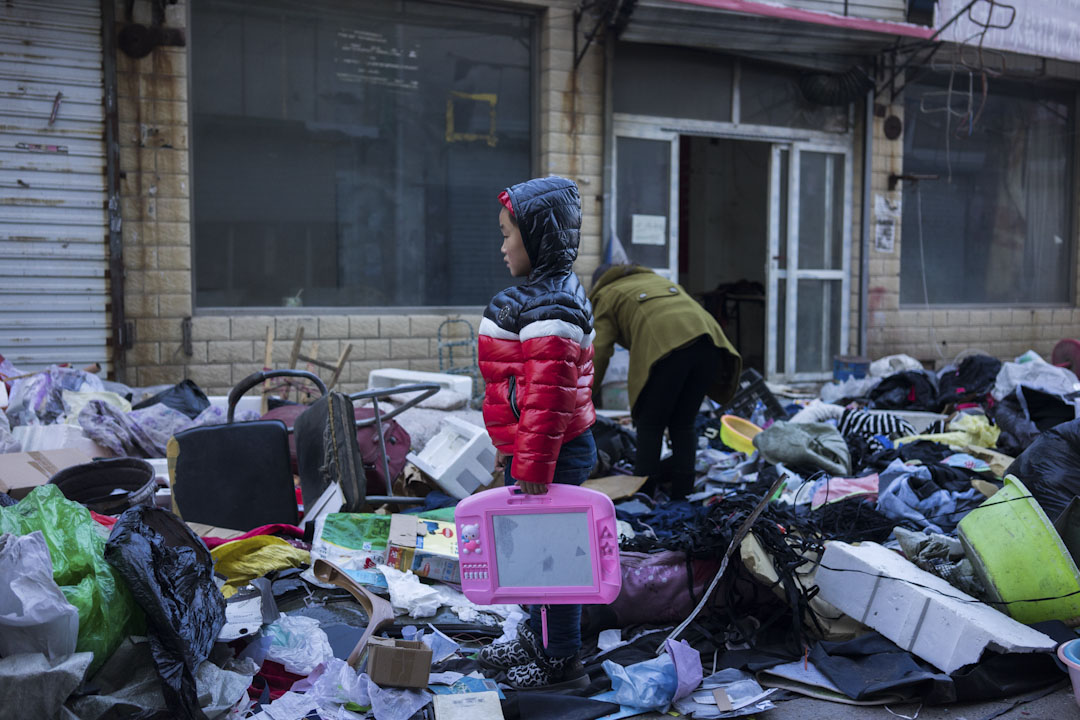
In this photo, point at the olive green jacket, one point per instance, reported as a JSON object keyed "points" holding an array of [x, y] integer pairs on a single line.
{"points": [[652, 317]]}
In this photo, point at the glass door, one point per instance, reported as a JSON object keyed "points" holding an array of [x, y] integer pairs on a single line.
{"points": [[809, 260], [646, 222]]}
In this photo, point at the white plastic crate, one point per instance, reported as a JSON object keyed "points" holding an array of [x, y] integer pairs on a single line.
{"points": [[392, 377], [460, 458]]}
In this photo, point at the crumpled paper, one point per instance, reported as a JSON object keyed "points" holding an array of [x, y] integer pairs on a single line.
{"points": [[409, 596]]}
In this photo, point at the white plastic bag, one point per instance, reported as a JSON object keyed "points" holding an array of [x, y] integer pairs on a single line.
{"points": [[394, 703], [298, 643], [8, 444], [35, 617]]}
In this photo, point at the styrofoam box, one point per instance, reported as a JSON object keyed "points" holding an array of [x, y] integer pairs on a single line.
{"points": [[392, 377], [252, 401], [460, 458]]}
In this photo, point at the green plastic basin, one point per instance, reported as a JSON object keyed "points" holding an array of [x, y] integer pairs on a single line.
{"points": [[1019, 556]]}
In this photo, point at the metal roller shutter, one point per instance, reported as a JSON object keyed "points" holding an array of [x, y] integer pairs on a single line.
{"points": [[53, 224]]}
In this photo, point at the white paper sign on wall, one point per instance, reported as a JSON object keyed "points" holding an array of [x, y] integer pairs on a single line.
{"points": [[648, 229]]}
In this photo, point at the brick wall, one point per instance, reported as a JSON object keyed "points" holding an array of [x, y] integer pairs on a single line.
{"points": [[155, 197]]}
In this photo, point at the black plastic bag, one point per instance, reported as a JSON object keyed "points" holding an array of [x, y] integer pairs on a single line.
{"points": [[171, 574], [1050, 468], [185, 397], [911, 390]]}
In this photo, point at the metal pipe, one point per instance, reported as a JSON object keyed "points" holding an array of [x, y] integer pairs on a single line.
{"points": [[121, 335], [864, 240], [608, 209]]}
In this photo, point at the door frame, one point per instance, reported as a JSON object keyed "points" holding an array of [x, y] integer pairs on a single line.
{"points": [[648, 131], [793, 141]]}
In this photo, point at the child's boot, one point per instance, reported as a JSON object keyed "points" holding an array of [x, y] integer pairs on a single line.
{"points": [[549, 673], [521, 651]]}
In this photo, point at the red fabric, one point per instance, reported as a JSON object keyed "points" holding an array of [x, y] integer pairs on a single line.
{"points": [[277, 679], [504, 198], [276, 529], [103, 519], [552, 378]]}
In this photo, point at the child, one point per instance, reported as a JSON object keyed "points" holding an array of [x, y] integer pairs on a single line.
{"points": [[536, 358]]}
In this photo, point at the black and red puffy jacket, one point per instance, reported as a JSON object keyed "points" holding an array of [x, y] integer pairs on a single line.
{"points": [[536, 338]]}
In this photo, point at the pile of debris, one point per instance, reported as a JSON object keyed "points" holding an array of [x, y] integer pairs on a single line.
{"points": [[900, 536]]}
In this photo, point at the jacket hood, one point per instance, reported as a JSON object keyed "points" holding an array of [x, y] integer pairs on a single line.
{"points": [[548, 213], [614, 273]]}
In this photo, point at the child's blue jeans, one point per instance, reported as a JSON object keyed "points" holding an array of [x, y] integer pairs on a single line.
{"points": [[576, 461]]}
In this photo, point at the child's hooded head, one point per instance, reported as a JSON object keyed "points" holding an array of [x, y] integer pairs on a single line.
{"points": [[544, 214]]}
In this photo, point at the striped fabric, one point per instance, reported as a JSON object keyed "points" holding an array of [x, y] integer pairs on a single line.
{"points": [[870, 426]]}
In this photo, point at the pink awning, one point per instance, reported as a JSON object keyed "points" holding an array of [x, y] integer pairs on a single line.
{"points": [[782, 12]]}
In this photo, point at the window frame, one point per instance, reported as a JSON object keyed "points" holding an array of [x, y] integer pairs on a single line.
{"points": [[537, 15]]}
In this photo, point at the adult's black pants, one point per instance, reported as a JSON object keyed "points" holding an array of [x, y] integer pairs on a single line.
{"points": [[670, 399]]}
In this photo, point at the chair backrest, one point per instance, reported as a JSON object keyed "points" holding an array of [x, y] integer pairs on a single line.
{"points": [[238, 475], [234, 476]]}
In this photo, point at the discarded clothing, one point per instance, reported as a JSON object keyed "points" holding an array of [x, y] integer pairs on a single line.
{"points": [[908, 492], [971, 381], [871, 425], [38, 399], [818, 411], [275, 529], [851, 389], [244, 560], [872, 665], [943, 556], [910, 390], [805, 445], [144, 433], [893, 364], [74, 402], [965, 430], [185, 397], [1038, 374], [830, 490]]}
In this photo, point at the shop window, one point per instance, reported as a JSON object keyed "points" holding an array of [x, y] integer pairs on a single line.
{"points": [[349, 152], [672, 82], [995, 226], [770, 95]]}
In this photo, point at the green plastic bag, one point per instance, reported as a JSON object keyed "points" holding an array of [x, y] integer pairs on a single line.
{"points": [[107, 611]]}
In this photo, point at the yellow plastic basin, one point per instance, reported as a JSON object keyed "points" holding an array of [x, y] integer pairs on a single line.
{"points": [[738, 434], [1019, 556]]}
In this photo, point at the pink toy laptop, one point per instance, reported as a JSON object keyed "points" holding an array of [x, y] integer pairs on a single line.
{"points": [[554, 549]]}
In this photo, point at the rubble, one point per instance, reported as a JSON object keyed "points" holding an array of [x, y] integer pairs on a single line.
{"points": [[360, 614]]}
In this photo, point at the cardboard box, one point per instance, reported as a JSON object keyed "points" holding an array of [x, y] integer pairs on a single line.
{"points": [[355, 542], [22, 472], [427, 547], [398, 663]]}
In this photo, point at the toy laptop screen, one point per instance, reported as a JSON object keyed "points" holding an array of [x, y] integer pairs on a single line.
{"points": [[543, 550]]}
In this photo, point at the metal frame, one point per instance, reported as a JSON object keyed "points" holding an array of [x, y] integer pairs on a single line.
{"points": [[790, 140], [650, 132], [793, 274]]}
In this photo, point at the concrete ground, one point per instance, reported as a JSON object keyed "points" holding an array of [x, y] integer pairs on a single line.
{"points": [[1058, 705]]}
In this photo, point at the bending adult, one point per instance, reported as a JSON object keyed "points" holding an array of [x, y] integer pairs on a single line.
{"points": [[678, 355]]}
